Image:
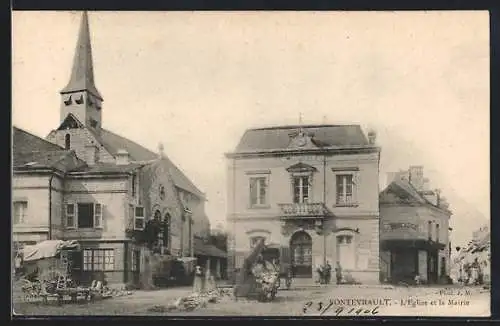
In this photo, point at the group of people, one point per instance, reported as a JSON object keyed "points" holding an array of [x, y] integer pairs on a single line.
{"points": [[325, 273], [472, 273], [203, 280]]}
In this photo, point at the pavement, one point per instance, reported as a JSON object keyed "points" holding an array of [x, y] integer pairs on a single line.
{"points": [[399, 301]]}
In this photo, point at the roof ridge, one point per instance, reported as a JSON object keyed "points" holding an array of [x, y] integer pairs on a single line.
{"points": [[195, 189], [304, 126], [128, 139]]}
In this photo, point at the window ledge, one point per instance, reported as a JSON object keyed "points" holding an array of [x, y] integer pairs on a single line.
{"points": [[259, 207], [346, 205]]}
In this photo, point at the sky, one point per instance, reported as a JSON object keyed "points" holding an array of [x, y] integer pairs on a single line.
{"points": [[195, 81]]}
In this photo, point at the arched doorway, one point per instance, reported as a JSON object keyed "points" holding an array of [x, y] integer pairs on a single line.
{"points": [[301, 250]]}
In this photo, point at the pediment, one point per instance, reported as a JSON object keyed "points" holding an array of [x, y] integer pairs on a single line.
{"points": [[70, 122], [301, 167]]}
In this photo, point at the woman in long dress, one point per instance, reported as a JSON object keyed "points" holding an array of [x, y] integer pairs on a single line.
{"points": [[198, 280]]}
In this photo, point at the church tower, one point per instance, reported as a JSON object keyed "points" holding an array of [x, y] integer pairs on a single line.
{"points": [[80, 98]]}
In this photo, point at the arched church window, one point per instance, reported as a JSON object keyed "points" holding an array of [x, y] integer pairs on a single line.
{"points": [[166, 229], [67, 141]]}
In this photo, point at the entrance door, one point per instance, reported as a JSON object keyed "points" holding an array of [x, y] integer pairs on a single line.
{"points": [[136, 265], [404, 265], [443, 267], [301, 250], [432, 267]]}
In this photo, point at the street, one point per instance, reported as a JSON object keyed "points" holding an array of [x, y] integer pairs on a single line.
{"points": [[354, 300]]}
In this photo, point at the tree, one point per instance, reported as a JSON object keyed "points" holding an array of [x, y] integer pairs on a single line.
{"points": [[148, 238]]}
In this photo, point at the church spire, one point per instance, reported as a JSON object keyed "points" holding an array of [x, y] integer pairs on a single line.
{"points": [[82, 73]]}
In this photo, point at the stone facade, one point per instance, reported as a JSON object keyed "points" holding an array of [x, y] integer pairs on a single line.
{"points": [[322, 217]]}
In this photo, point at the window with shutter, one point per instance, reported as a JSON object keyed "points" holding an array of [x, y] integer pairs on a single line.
{"points": [[139, 221], [98, 216], [70, 216], [131, 216], [85, 215]]}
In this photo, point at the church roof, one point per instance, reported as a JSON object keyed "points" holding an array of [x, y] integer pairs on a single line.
{"points": [[276, 138], [113, 142], [82, 72]]}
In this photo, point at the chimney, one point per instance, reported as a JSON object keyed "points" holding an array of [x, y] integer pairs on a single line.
{"points": [[122, 157], [438, 197], [417, 177], [399, 175], [91, 154], [161, 153], [372, 136]]}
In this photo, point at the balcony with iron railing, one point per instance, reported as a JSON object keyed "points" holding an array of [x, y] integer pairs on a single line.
{"points": [[316, 210]]}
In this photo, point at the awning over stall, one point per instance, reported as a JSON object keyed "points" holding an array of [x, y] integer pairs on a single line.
{"points": [[47, 249]]}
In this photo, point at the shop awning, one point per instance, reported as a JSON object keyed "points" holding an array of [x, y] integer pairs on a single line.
{"points": [[47, 249], [411, 244], [205, 249]]}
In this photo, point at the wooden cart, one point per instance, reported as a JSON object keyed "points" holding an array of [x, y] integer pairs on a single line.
{"points": [[278, 255]]}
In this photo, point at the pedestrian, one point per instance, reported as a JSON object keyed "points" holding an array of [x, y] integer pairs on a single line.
{"points": [[321, 274], [198, 285], [338, 273], [328, 272]]}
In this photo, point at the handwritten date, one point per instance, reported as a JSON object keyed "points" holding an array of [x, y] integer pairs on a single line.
{"points": [[328, 308]]}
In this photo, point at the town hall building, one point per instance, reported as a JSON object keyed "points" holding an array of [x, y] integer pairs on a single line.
{"points": [[311, 190]]}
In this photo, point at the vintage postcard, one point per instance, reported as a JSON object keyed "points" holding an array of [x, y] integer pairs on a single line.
{"points": [[251, 163]]}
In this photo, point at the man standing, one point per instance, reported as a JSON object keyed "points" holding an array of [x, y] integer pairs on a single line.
{"points": [[328, 272], [338, 273]]}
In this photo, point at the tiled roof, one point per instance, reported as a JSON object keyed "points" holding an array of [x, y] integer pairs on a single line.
{"points": [[203, 249], [32, 152], [402, 191], [275, 138], [38, 158], [113, 142], [23, 142]]}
